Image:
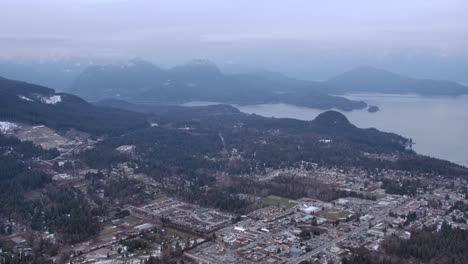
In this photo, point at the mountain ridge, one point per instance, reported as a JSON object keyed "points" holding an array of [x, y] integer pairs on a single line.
{"points": [[139, 81], [200, 80], [374, 80]]}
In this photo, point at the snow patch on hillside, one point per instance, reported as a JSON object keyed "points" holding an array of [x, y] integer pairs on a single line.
{"points": [[22, 97], [6, 126], [126, 148], [55, 99]]}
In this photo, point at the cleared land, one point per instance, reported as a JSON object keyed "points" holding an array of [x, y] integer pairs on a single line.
{"points": [[278, 201], [333, 214]]}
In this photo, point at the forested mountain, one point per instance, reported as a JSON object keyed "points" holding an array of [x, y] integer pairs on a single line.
{"points": [[268, 142], [117, 80], [329, 139], [33, 104], [372, 80], [199, 80]]}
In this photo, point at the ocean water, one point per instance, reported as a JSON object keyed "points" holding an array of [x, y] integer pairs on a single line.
{"points": [[438, 125]]}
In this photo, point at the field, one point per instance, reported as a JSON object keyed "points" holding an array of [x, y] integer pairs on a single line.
{"points": [[378, 195], [333, 214], [278, 201]]}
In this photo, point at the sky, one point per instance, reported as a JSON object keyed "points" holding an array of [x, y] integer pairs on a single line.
{"points": [[311, 39]]}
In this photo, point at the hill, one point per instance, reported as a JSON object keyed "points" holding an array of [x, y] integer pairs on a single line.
{"points": [[33, 104], [372, 80]]}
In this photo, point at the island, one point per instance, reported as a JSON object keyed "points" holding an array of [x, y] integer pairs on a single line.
{"points": [[373, 109]]}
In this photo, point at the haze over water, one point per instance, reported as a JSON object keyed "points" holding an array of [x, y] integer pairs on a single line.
{"points": [[438, 125]]}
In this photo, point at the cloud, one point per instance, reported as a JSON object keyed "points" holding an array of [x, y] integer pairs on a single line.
{"points": [[209, 26]]}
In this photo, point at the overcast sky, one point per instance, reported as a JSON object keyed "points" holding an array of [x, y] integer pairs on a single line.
{"points": [[296, 36]]}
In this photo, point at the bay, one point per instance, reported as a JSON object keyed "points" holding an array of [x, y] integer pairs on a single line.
{"points": [[438, 125]]}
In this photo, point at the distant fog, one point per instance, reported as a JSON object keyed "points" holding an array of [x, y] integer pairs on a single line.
{"points": [[301, 38]]}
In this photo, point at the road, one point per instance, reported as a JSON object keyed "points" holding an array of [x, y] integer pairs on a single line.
{"points": [[79, 147]]}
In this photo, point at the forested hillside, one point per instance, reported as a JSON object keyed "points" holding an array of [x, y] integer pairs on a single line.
{"points": [[37, 105]]}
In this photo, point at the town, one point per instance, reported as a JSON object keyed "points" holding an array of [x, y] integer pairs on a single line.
{"points": [[152, 222]]}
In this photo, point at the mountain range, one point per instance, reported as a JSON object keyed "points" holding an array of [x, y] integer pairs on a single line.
{"points": [[31, 104], [22, 102], [140, 81], [199, 80]]}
